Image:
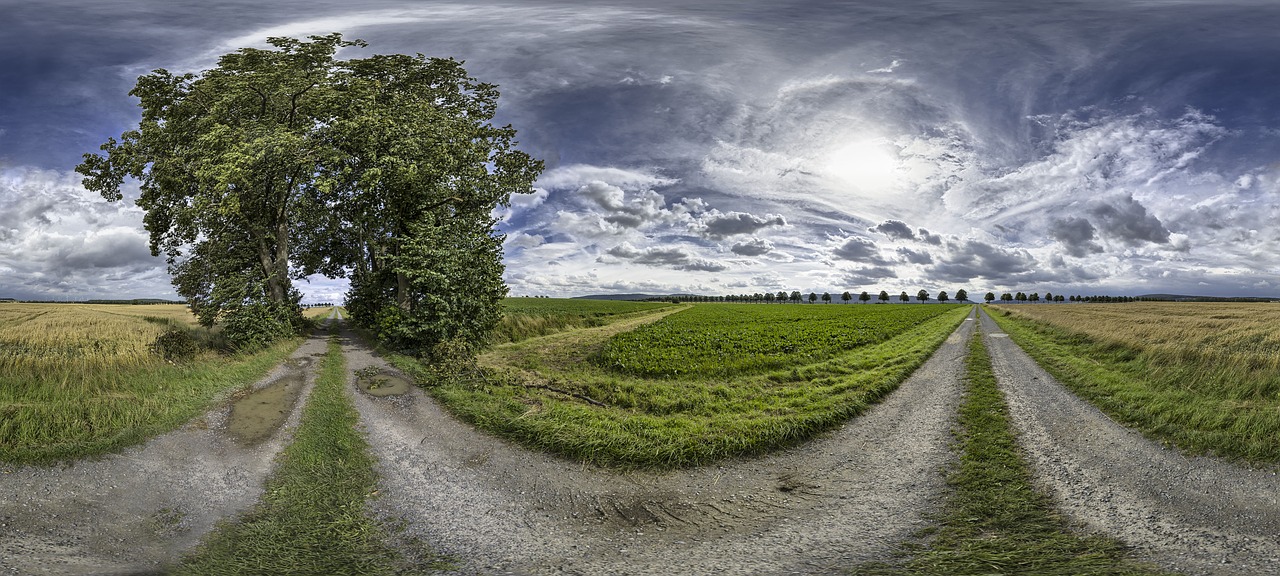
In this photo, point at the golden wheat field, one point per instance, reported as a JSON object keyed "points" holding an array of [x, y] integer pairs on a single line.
{"points": [[1224, 334], [80, 379], [39, 338]]}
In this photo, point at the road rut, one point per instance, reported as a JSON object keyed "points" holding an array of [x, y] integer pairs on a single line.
{"points": [[852, 495], [1195, 515]]}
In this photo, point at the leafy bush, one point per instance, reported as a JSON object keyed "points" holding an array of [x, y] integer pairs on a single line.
{"points": [[176, 345], [257, 324]]}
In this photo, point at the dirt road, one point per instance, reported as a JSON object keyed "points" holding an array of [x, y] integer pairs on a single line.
{"points": [[1196, 515], [849, 496], [138, 511]]}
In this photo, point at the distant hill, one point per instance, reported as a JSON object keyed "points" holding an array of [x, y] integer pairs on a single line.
{"points": [[1187, 298]]}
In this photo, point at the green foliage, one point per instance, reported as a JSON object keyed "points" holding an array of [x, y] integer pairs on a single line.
{"points": [[257, 324], [176, 344], [737, 339], [283, 162]]}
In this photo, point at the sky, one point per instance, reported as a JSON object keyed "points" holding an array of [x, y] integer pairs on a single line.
{"points": [[1073, 147]]}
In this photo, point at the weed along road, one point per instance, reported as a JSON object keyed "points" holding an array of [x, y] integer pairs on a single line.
{"points": [[851, 495], [140, 509], [1196, 515]]}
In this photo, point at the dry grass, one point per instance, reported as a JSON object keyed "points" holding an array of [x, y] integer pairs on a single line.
{"points": [[1203, 376], [80, 338], [80, 379], [1227, 334]]}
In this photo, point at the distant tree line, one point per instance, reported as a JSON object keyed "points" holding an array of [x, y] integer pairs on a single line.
{"points": [[796, 297]]}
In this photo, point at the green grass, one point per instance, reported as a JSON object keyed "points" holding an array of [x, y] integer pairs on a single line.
{"points": [[667, 422], [1183, 400], [727, 340], [53, 415], [312, 517], [525, 318], [995, 522]]}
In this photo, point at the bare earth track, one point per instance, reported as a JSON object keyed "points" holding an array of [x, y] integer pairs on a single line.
{"points": [[852, 495], [1195, 515], [137, 511], [849, 496]]}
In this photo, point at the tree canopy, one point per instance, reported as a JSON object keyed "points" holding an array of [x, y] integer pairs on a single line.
{"points": [[284, 162]]}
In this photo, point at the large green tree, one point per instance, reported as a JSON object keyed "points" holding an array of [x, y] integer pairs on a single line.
{"points": [[226, 160], [284, 162], [421, 171]]}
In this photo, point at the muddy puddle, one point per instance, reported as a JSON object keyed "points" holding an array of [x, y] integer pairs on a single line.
{"points": [[383, 384], [258, 414]]}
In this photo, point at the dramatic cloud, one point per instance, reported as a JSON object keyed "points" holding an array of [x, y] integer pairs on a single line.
{"points": [[1076, 235], [972, 259], [1128, 147], [676, 258], [1128, 221], [734, 223], [753, 247], [896, 229], [859, 249]]}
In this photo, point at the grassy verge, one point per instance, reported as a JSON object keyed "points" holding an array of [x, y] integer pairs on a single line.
{"points": [[673, 422], [1198, 405], [995, 522], [78, 411], [311, 519]]}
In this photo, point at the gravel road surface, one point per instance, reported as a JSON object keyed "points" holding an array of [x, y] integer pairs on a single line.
{"points": [[1195, 515], [137, 511], [496, 508]]}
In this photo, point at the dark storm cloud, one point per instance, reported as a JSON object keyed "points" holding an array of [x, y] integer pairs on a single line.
{"points": [[676, 258], [1076, 235], [973, 259], [859, 249], [896, 229], [733, 223], [1127, 220], [915, 257], [753, 247], [929, 237]]}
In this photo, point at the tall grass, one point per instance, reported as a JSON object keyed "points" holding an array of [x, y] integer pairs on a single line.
{"points": [[1202, 376], [81, 379], [540, 399]]}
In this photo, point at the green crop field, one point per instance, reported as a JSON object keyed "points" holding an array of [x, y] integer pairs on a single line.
{"points": [[531, 317], [731, 339], [566, 393]]}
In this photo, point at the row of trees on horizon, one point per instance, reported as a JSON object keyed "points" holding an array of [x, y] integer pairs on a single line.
{"points": [[961, 295]]}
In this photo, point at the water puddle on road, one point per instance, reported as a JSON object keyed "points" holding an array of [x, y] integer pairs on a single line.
{"points": [[382, 384], [258, 414]]}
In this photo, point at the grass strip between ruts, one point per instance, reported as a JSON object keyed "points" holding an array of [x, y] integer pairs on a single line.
{"points": [[312, 516], [995, 521]]}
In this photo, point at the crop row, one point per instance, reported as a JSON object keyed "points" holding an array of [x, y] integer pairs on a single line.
{"points": [[737, 339]]}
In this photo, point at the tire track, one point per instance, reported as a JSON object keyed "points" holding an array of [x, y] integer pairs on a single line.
{"points": [[849, 496], [1197, 515], [139, 510]]}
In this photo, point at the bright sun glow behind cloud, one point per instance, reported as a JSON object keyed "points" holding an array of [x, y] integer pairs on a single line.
{"points": [[870, 165]]}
